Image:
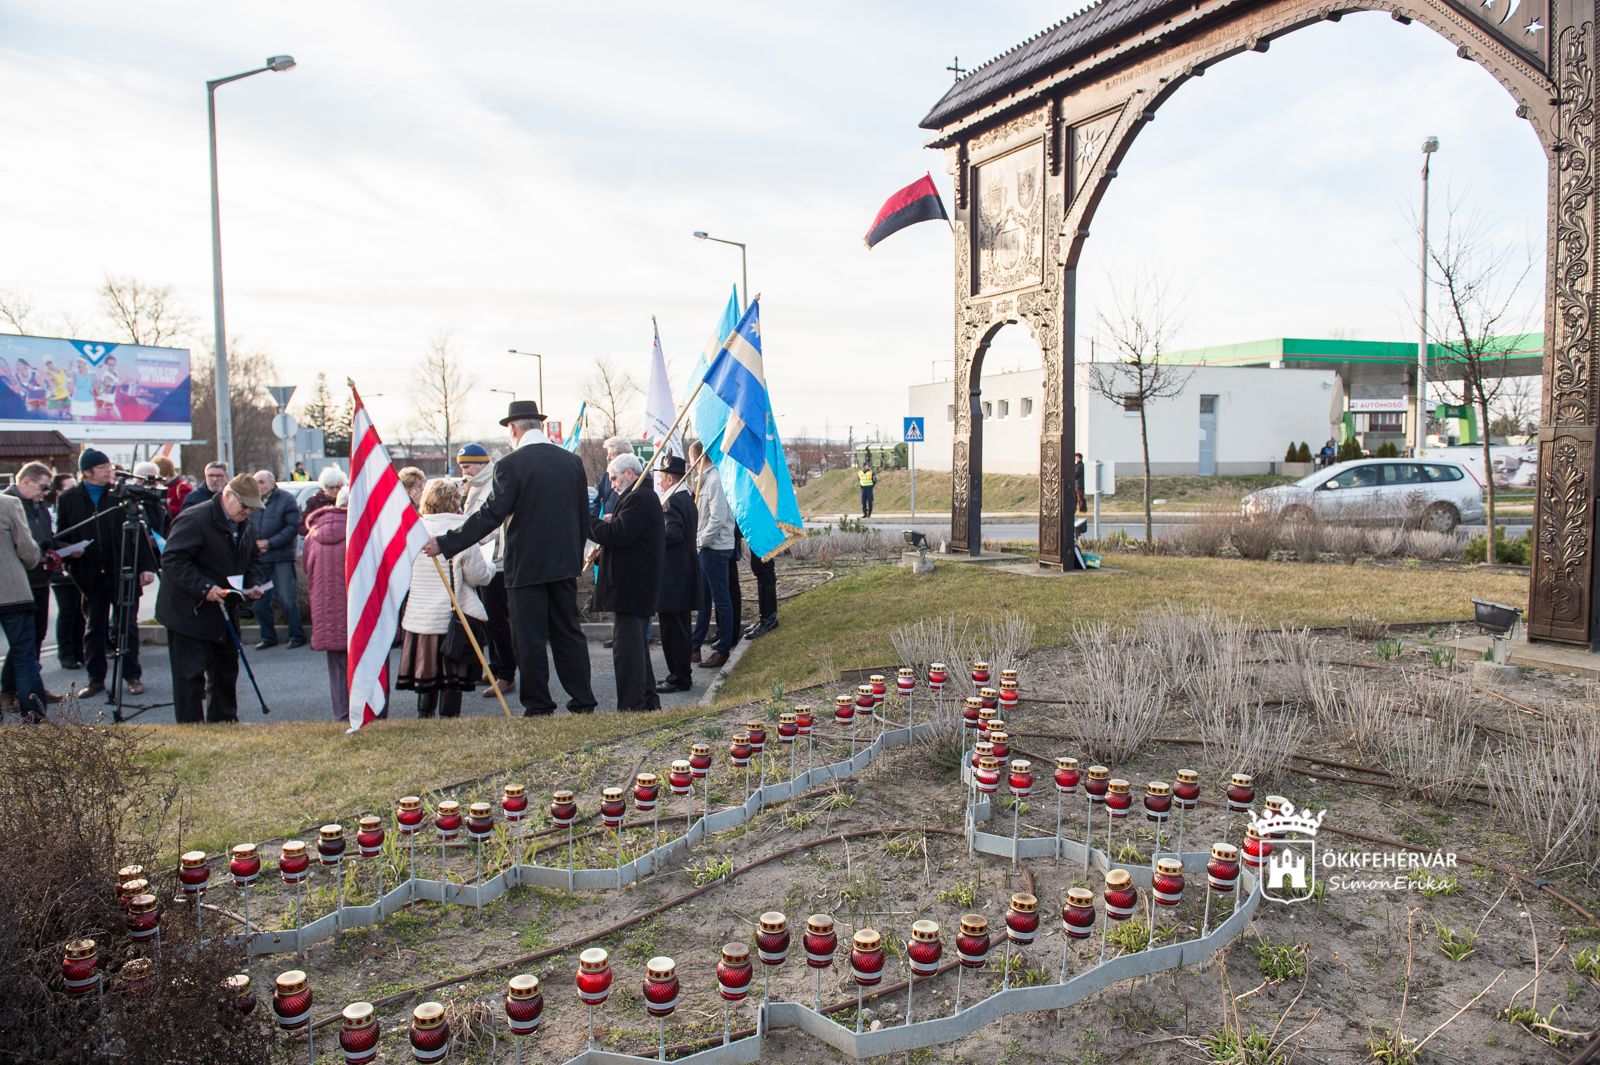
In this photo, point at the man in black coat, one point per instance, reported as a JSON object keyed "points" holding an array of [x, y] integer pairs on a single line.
{"points": [[89, 511], [680, 574], [216, 478], [208, 545], [541, 496], [30, 487], [632, 541]]}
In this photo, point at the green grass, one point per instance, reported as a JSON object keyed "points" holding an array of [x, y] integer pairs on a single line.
{"points": [[847, 622]]}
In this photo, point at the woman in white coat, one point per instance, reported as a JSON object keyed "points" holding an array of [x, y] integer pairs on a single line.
{"points": [[424, 669]]}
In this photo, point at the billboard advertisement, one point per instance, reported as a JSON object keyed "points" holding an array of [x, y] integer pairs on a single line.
{"points": [[94, 390]]}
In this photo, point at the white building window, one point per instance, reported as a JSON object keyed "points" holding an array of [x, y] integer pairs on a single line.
{"points": [[988, 409], [1005, 408], [950, 413], [1027, 407]]}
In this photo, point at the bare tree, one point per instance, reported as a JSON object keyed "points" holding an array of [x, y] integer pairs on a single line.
{"points": [[610, 392], [1480, 323], [1517, 412], [250, 370], [1138, 330], [15, 309], [441, 392], [144, 313]]}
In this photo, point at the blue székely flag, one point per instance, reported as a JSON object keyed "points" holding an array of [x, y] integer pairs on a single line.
{"points": [[574, 437], [741, 438]]}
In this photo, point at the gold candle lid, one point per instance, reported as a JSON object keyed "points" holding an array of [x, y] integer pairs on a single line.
{"points": [[979, 664], [480, 809], [773, 921], [995, 724], [754, 727], [237, 985], [1242, 780], [997, 736], [142, 903], [1118, 786], [905, 671], [1225, 852], [515, 791], [611, 795], [523, 985], [410, 802], [989, 761], [134, 887], [1066, 763], [1021, 765], [1252, 832], [1169, 867], [1188, 776], [986, 713], [563, 796], [331, 831], [129, 872], [660, 968], [1275, 803], [290, 981], [974, 924], [925, 931], [741, 737], [1117, 879], [1022, 902], [449, 806], [983, 747], [193, 859], [844, 700], [645, 780], [863, 689], [786, 719], [876, 678], [369, 822], [358, 1015], [1158, 787], [988, 693], [1098, 772], [428, 1015], [681, 765], [802, 708], [866, 939], [735, 954], [1008, 674], [137, 969], [1080, 898], [819, 924], [936, 667], [248, 850], [974, 702], [700, 749], [594, 960], [80, 948]]}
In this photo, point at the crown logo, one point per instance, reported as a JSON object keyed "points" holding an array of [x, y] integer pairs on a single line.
{"points": [[1286, 821]]}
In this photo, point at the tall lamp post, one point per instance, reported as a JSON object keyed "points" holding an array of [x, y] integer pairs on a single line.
{"points": [[1429, 146], [534, 355], [744, 266], [276, 64]]}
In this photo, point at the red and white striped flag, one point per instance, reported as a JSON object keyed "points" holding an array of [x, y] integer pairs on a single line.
{"points": [[385, 537]]}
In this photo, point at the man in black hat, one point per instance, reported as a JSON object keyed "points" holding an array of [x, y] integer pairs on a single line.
{"points": [[680, 574], [541, 496], [89, 511]]}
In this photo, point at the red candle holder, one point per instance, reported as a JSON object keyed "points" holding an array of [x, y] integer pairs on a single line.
{"points": [[1022, 919], [989, 698], [1009, 699], [524, 1004], [1241, 792], [925, 949], [804, 719], [970, 719], [447, 819], [612, 807], [1067, 776], [294, 864], [866, 957], [1275, 805], [986, 719], [514, 803], [1119, 798], [821, 941], [1158, 802], [844, 711], [1256, 848], [429, 1033], [330, 844], [408, 816], [905, 681], [866, 701], [245, 864], [981, 750], [660, 987], [80, 968], [358, 1033], [646, 792], [787, 729], [937, 676], [136, 977], [980, 672], [563, 809], [480, 821], [1121, 896], [700, 760], [1009, 676], [130, 872], [291, 1000], [1187, 790], [739, 750], [987, 776], [758, 736], [241, 996], [193, 873], [734, 972], [129, 889], [1020, 779], [972, 944], [1097, 781], [594, 976], [1166, 887], [880, 688], [369, 836], [1222, 871], [772, 938], [1001, 741], [680, 778], [1077, 916]]}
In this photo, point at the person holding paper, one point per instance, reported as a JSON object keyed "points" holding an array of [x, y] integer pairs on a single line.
{"points": [[210, 565]]}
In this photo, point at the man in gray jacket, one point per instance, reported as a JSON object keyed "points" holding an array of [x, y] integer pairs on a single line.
{"points": [[715, 542], [18, 554], [274, 527]]}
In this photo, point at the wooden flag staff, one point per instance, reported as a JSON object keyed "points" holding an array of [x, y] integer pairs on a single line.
{"points": [[461, 615]]}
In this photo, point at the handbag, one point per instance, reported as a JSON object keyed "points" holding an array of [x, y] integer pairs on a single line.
{"points": [[455, 646]]}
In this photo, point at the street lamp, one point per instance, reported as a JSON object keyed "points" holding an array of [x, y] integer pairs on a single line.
{"points": [[534, 355], [744, 265], [1429, 146], [507, 392], [276, 64]]}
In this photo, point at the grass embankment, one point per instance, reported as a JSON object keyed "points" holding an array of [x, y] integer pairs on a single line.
{"points": [[837, 492]]}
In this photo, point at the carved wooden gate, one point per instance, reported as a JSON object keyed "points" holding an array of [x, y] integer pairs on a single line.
{"points": [[1034, 138]]}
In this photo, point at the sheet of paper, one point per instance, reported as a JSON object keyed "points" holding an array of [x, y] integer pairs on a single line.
{"points": [[73, 550]]}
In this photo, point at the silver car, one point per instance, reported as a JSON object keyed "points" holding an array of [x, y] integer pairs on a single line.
{"points": [[1428, 493]]}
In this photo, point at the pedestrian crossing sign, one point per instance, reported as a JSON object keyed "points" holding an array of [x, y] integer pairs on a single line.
{"points": [[913, 430]]}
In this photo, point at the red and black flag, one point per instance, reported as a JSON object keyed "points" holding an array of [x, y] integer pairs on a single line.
{"points": [[917, 202]]}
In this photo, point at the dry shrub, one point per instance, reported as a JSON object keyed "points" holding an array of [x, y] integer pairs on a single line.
{"points": [[1172, 637], [1204, 537], [85, 806], [1114, 703], [1240, 732], [1431, 753], [1386, 541], [1430, 546], [1001, 641], [826, 548], [1545, 787], [1321, 693], [1348, 542], [1366, 710], [1304, 540], [1366, 627], [1256, 537]]}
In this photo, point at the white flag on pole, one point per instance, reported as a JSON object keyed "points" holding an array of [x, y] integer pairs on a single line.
{"points": [[659, 411]]}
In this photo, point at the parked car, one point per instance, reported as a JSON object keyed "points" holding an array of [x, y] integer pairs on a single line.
{"points": [[1431, 494]]}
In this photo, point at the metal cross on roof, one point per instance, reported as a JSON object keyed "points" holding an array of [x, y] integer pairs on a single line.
{"points": [[956, 68]]}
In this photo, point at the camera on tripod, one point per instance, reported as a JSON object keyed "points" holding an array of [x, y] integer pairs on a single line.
{"points": [[130, 487]]}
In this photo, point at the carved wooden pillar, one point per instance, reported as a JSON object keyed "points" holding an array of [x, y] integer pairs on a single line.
{"points": [[1562, 596]]}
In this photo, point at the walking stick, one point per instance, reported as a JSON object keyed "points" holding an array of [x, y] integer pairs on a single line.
{"points": [[238, 645], [472, 639]]}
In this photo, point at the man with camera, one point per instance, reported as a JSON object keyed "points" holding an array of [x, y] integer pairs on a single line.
{"points": [[96, 511]]}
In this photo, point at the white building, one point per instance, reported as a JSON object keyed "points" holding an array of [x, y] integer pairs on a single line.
{"points": [[1227, 420]]}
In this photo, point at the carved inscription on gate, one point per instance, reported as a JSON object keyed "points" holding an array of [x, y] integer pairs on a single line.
{"points": [[1010, 230]]}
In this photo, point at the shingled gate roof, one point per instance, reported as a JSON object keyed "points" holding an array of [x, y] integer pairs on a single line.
{"points": [[1050, 49]]}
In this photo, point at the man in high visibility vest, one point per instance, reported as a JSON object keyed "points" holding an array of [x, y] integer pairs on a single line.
{"points": [[867, 479]]}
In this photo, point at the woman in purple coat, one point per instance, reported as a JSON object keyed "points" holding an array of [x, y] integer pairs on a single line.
{"points": [[324, 559]]}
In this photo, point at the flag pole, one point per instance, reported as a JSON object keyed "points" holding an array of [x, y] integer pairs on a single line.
{"points": [[473, 640]]}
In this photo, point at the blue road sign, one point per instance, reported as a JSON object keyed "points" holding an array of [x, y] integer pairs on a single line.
{"points": [[914, 430]]}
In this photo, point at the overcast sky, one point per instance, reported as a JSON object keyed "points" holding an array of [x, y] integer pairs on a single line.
{"points": [[526, 175]]}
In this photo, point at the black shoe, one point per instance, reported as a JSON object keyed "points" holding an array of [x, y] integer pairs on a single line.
{"points": [[670, 689], [538, 713], [94, 687], [296, 641], [607, 644], [71, 663], [761, 628], [265, 644], [580, 709]]}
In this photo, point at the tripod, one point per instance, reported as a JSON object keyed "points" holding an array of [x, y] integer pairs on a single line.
{"points": [[124, 607]]}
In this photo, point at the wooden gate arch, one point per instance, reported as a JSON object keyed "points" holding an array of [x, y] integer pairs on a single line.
{"points": [[1034, 138]]}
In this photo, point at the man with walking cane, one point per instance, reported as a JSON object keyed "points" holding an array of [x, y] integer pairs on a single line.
{"points": [[208, 548]]}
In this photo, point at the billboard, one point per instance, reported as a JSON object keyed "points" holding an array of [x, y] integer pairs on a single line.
{"points": [[94, 390]]}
